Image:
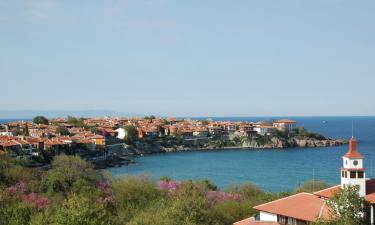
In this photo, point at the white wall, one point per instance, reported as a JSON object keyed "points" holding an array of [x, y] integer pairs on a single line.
{"points": [[265, 216]]}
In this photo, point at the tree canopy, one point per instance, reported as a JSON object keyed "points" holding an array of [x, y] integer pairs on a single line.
{"points": [[40, 120]]}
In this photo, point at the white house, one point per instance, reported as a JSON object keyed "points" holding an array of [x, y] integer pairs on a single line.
{"points": [[121, 133], [284, 124], [262, 129]]}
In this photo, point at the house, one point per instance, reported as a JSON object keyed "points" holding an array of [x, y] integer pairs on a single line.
{"points": [[284, 125], [121, 133], [262, 129], [306, 208], [99, 141], [200, 132]]}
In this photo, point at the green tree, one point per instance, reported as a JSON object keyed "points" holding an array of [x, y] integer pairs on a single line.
{"points": [[204, 122], [26, 131], [134, 194], [68, 172], [62, 130], [78, 122], [312, 186], [347, 208], [131, 135], [81, 210], [40, 120]]}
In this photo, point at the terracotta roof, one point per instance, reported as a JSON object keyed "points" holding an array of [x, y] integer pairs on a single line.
{"points": [[370, 190], [302, 206], [249, 221], [353, 153], [328, 192], [285, 121]]}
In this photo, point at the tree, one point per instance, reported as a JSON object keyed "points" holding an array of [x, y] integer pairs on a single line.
{"points": [[81, 210], [347, 208], [131, 135], [312, 186], [204, 122], [78, 122], [68, 172], [62, 130], [40, 120], [26, 131]]}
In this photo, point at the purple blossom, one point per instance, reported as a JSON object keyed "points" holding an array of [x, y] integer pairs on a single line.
{"points": [[103, 186], [170, 186], [218, 196], [36, 199], [20, 187]]}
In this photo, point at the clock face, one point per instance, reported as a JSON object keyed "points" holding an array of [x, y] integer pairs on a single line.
{"points": [[355, 162]]}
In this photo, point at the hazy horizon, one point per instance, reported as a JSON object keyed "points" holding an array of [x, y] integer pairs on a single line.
{"points": [[189, 58], [28, 114]]}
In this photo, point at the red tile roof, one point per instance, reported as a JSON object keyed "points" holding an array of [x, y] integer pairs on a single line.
{"points": [[302, 206], [328, 192], [249, 221], [285, 121]]}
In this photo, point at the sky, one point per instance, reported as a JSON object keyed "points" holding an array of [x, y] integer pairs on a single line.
{"points": [[189, 58]]}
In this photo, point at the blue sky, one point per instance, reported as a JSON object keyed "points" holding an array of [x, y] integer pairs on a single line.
{"points": [[189, 58]]}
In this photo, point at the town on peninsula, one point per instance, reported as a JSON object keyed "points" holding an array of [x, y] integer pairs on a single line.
{"points": [[107, 142]]}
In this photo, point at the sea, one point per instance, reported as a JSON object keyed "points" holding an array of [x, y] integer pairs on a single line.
{"points": [[270, 169]]}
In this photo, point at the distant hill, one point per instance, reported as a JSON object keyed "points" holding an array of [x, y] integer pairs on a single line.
{"points": [[14, 114]]}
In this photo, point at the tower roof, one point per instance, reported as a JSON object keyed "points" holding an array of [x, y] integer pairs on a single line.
{"points": [[352, 152]]}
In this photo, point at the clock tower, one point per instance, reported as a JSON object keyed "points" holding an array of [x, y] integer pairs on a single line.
{"points": [[353, 172]]}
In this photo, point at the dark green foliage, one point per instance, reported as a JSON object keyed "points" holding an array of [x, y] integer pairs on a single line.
{"points": [[277, 133], [131, 135], [26, 130], [62, 130], [301, 131], [40, 120], [78, 122]]}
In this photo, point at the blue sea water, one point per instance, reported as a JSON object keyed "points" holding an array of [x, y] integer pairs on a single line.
{"points": [[272, 170]]}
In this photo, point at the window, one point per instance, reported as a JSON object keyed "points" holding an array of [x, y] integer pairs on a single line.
{"points": [[360, 174], [353, 174], [346, 174]]}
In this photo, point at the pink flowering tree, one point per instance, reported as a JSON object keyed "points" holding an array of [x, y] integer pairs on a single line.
{"points": [[106, 196], [20, 191], [170, 186], [214, 197]]}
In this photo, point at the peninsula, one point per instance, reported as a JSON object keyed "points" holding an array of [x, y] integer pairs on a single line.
{"points": [[108, 141]]}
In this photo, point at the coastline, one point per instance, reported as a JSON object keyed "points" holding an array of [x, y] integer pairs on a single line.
{"points": [[127, 154]]}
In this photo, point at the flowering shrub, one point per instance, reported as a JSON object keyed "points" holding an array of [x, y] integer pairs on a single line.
{"points": [[170, 186], [20, 187], [106, 195], [37, 200], [218, 196], [19, 191], [103, 186]]}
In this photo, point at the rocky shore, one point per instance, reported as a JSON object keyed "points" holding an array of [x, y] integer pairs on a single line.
{"points": [[249, 144]]}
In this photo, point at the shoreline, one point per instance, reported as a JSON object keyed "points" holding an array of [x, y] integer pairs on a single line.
{"points": [[127, 158]]}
